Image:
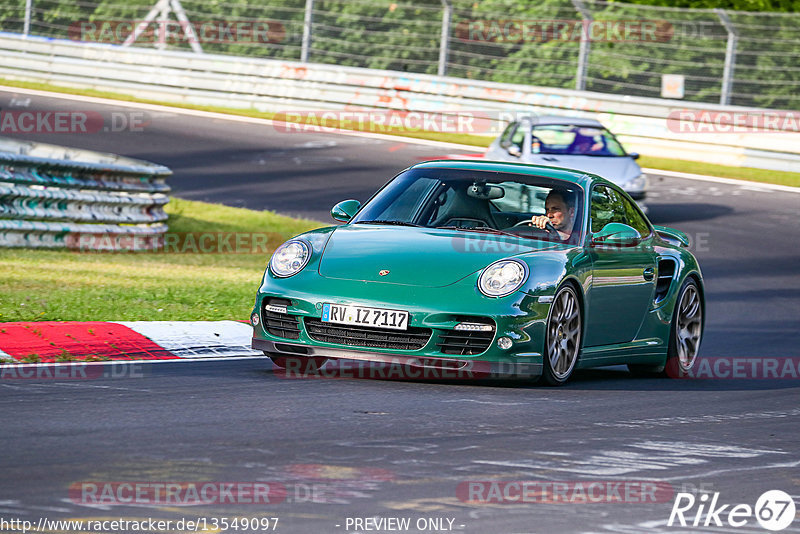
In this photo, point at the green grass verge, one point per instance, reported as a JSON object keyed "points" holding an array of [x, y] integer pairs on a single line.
{"points": [[723, 171], [49, 285]]}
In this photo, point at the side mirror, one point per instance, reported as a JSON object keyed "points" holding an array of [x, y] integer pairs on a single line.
{"points": [[616, 234], [634, 155], [344, 210], [514, 150]]}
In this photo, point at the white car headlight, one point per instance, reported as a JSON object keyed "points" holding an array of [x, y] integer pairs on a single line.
{"points": [[502, 278], [290, 258], [636, 184]]}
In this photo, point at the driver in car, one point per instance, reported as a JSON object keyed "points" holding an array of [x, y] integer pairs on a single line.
{"points": [[583, 144], [560, 212]]}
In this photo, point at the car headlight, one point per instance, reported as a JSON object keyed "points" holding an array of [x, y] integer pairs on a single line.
{"points": [[639, 183], [289, 258], [502, 278]]}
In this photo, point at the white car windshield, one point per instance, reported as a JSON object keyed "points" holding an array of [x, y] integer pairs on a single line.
{"points": [[574, 140]]}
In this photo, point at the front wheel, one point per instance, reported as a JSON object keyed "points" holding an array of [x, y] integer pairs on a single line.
{"points": [[563, 337]]}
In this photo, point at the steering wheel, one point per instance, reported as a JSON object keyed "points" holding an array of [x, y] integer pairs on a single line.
{"points": [[549, 228]]}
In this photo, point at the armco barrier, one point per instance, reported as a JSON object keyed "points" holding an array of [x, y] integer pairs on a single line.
{"points": [[50, 196], [274, 85]]}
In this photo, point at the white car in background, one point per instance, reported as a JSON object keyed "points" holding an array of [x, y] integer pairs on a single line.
{"points": [[582, 144]]}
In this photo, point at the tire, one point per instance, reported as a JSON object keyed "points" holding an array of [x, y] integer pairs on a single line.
{"points": [[674, 366], [686, 331], [563, 336], [302, 365]]}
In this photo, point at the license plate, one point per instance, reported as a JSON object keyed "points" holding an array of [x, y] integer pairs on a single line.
{"points": [[363, 316]]}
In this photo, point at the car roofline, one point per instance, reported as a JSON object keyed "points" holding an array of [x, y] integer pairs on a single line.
{"points": [[576, 176], [546, 120]]}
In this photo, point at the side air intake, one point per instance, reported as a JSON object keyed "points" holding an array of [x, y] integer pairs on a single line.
{"points": [[666, 273]]}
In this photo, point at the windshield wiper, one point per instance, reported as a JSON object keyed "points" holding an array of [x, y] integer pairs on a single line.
{"points": [[391, 223]]}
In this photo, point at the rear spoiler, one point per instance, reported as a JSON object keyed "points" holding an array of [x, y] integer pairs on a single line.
{"points": [[672, 236]]}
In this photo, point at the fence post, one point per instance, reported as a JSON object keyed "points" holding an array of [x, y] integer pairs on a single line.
{"points": [[306, 48], [186, 25], [730, 57], [585, 46], [444, 45], [26, 28]]}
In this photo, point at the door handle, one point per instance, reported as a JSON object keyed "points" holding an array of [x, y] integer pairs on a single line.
{"points": [[648, 273]]}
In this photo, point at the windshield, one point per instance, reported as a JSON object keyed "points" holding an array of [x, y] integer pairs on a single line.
{"points": [[478, 201], [574, 140]]}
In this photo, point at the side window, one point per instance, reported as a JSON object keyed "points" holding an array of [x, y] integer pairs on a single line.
{"points": [[607, 207], [518, 138], [505, 139], [635, 218]]}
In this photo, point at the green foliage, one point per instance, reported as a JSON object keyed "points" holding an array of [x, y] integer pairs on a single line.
{"points": [[404, 35]]}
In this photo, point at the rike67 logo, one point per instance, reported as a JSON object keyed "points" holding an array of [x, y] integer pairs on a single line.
{"points": [[774, 510]]}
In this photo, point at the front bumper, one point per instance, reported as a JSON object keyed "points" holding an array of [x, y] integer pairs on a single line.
{"points": [[400, 366], [520, 317]]}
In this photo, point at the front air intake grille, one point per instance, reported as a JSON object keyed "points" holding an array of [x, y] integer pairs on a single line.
{"points": [[464, 343], [280, 324], [359, 336]]}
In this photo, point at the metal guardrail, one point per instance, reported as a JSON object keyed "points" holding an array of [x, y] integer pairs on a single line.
{"points": [[281, 86], [58, 197]]}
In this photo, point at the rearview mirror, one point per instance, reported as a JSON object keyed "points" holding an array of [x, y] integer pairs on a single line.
{"points": [[616, 234], [514, 150], [344, 210], [634, 155]]}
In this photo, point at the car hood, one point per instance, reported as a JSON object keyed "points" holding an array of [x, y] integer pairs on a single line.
{"points": [[425, 257], [616, 169]]}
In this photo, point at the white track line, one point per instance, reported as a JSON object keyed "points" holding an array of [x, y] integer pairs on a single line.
{"points": [[397, 138], [732, 181]]}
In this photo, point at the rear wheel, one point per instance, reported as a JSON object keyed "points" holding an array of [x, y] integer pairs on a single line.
{"points": [[563, 337], [297, 364], [685, 334]]}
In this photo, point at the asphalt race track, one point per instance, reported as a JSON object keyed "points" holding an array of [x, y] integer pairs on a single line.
{"points": [[351, 449]]}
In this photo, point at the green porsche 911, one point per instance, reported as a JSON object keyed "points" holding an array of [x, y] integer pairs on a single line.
{"points": [[513, 269]]}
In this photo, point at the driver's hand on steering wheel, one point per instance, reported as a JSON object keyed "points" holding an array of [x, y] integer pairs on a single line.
{"points": [[540, 221]]}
